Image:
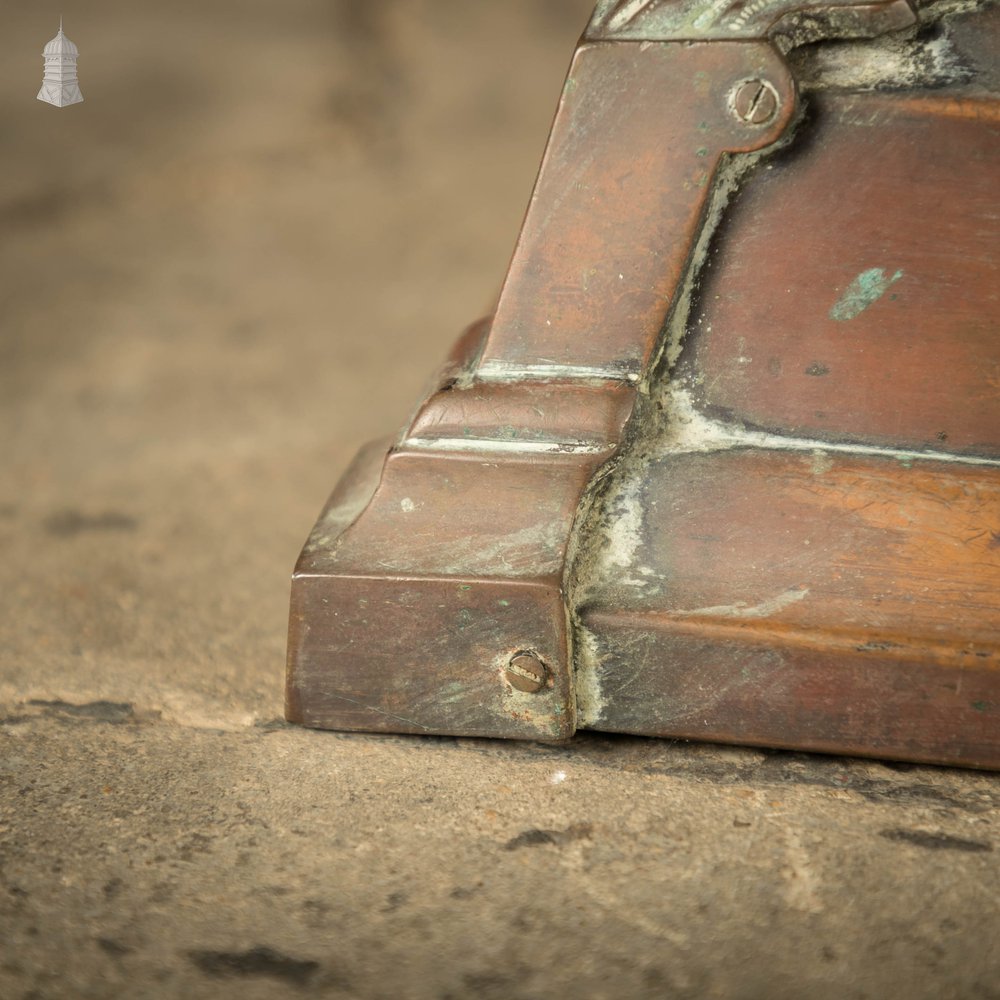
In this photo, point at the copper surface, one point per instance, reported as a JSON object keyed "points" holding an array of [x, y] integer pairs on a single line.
{"points": [[461, 550], [779, 344], [620, 196], [816, 601], [725, 462]]}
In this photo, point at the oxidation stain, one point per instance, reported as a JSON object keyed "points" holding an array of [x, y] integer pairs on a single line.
{"points": [[877, 646], [257, 961], [995, 539], [536, 837], [70, 523], [935, 841], [98, 711], [865, 290], [817, 369]]}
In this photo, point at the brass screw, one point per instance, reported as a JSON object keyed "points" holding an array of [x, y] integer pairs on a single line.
{"points": [[526, 672], [754, 102]]}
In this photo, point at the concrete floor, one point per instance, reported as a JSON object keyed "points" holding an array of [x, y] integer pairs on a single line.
{"points": [[239, 258]]}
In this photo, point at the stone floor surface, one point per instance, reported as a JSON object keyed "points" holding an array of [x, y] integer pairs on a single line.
{"points": [[238, 259]]}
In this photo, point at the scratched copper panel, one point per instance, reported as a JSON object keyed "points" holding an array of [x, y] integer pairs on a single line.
{"points": [[463, 514], [854, 294], [533, 411], [804, 599], [418, 583], [619, 198], [462, 557], [446, 530], [424, 656], [420, 580], [688, 683]]}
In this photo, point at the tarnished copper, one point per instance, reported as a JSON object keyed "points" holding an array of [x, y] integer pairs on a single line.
{"points": [[725, 461]]}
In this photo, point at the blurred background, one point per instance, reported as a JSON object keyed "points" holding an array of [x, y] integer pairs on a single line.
{"points": [[240, 257]]}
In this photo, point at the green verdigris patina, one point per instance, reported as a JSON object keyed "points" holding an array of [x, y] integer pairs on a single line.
{"points": [[867, 288]]}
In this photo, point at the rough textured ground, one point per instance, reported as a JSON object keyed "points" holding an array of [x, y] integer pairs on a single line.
{"points": [[239, 258]]}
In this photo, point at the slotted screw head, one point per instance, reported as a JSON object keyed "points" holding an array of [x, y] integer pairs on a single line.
{"points": [[754, 102], [526, 672]]}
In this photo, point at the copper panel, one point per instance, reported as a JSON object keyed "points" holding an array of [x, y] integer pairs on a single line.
{"points": [[470, 519], [755, 554], [425, 656], [420, 582], [555, 412], [854, 291], [688, 682], [462, 515], [620, 195], [819, 600]]}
